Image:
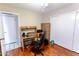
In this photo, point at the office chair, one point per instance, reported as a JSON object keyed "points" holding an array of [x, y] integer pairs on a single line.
{"points": [[36, 49], [37, 45], [44, 42]]}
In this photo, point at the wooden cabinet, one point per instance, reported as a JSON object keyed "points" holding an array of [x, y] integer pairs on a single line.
{"points": [[46, 28]]}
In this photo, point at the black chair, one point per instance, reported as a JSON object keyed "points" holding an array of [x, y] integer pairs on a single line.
{"points": [[42, 37], [37, 44], [39, 30], [46, 42], [36, 49]]}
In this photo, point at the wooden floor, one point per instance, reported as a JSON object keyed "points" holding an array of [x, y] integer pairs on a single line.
{"points": [[49, 51]]}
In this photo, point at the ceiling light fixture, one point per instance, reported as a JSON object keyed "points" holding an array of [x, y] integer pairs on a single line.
{"points": [[44, 5]]}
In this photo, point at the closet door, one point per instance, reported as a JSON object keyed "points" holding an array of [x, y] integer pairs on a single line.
{"points": [[62, 28], [76, 34]]}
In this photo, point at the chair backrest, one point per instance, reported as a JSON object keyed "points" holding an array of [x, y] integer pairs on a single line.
{"points": [[42, 37], [36, 45], [39, 30]]}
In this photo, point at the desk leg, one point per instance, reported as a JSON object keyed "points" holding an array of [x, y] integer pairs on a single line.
{"points": [[23, 51]]}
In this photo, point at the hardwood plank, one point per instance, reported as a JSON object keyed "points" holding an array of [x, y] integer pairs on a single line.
{"points": [[49, 51]]}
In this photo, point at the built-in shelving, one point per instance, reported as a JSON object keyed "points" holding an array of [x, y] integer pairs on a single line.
{"points": [[26, 28]]}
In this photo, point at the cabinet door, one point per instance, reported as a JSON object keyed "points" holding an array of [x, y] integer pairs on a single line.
{"points": [[46, 28], [62, 27], [1, 29], [76, 35]]}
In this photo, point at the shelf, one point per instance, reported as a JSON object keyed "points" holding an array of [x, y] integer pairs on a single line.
{"points": [[25, 28]]}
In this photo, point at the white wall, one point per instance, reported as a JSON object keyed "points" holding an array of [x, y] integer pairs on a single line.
{"points": [[26, 17], [76, 34], [45, 18], [62, 29], [64, 9], [65, 26]]}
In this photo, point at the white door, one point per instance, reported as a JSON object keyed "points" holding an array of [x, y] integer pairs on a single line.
{"points": [[10, 25], [62, 28], [76, 35]]}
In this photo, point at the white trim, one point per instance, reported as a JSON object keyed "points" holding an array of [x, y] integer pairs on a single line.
{"points": [[9, 12]]}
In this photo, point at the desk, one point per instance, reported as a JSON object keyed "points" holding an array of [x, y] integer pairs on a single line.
{"points": [[29, 37], [25, 38]]}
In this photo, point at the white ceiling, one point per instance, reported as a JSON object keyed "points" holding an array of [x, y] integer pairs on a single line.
{"points": [[38, 7]]}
